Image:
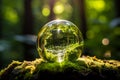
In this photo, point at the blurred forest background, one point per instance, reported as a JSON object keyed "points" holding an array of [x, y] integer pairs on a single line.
{"points": [[21, 20]]}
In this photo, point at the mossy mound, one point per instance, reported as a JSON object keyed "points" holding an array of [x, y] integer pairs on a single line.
{"points": [[85, 68]]}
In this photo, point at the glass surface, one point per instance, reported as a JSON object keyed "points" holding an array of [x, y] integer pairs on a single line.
{"points": [[59, 40]]}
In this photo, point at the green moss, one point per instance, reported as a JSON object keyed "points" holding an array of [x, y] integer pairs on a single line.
{"points": [[10, 67], [85, 68]]}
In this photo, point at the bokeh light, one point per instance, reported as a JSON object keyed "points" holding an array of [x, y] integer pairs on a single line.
{"points": [[11, 15], [105, 41], [59, 8], [46, 10], [98, 5]]}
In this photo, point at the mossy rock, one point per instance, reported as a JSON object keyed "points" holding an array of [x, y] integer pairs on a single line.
{"points": [[85, 68]]}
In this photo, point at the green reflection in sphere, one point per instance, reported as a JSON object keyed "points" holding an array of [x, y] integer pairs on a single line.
{"points": [[59, 40]]}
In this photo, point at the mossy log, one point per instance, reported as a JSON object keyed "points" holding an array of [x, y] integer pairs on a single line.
{"points": [[85, 68]]}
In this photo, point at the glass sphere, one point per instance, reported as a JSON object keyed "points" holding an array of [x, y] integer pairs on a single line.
{"points": [[60, 40]]}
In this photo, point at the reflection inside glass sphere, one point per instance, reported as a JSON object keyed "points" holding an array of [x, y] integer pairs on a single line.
{"points": [[59, 40]]}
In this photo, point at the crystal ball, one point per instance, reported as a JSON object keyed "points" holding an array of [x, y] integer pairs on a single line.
{"points": [[59, 40]]}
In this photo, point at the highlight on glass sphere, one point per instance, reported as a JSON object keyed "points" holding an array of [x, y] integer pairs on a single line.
{"points": [[59, 40]]}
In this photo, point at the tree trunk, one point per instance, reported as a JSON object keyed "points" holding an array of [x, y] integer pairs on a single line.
{"points": [[80, 5], [1, 25], [52, 14], [1, 19], [117, 7], [28, 18], [28, 28], [83, 17]]}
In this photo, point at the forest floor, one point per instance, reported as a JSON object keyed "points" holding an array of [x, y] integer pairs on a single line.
{"points": [[85, 68]]}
